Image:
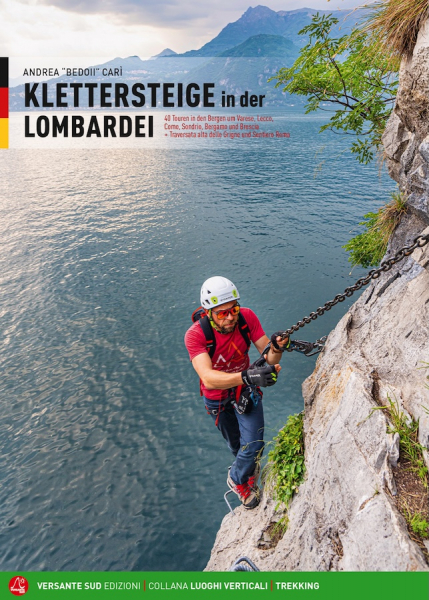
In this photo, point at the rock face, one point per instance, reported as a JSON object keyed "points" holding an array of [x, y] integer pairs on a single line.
{"points": [[345, 516], [406, 139]]}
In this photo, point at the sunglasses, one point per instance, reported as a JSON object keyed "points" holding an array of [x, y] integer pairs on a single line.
{"points": [[222, 314]]}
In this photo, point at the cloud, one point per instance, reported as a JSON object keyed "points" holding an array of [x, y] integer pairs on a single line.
{"points": [[181, 14], [157, 13], [42, 31]]}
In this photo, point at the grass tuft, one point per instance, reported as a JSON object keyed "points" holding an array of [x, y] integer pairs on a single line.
{"points": [[396, 24], [368, 248], [417, 523], [409, 446]]}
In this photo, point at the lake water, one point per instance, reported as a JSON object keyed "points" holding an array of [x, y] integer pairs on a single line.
{"points": [[108, 458]]}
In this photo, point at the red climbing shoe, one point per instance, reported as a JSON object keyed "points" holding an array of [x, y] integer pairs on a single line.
{"points": [[248, 497], [252, 482]]}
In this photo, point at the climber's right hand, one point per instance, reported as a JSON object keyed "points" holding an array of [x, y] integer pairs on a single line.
{"points": [[262, 376]]}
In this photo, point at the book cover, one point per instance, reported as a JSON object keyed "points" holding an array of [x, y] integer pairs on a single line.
{"points": [[146, 148]]}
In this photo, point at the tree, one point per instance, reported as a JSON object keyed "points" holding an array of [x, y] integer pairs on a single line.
{"points": [[352, 72]]}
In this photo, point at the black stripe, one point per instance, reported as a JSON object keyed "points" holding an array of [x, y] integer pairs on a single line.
{"points": [[4, 72]]}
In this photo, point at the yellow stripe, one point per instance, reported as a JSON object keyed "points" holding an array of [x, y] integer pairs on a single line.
{"points": [[4, 133]]}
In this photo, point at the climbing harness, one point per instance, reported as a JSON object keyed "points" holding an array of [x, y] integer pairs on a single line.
{"points": [[248, 398], [309, 348]]}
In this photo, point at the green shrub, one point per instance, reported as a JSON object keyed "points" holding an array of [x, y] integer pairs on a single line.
{"points": [[368, 248], [286, 466]]}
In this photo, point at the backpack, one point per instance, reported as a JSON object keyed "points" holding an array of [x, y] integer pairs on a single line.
{"points": [[200, 315]]}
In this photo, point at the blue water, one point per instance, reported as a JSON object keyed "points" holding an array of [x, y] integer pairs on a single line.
{"points": [[108, 459]]}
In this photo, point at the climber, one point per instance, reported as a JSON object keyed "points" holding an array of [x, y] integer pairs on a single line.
{"points": [[218, 343]]}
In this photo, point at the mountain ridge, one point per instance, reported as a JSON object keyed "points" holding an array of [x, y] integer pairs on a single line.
{"points": [[264, 20]]}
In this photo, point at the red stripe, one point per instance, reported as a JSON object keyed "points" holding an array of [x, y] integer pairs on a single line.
{"points": [[4, 103]]}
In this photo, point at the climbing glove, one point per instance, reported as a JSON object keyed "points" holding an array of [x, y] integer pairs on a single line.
{"points": [[262, 376], [274, 342]]}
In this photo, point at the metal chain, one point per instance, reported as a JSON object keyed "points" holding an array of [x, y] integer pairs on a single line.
{"points": [[419, 242]]}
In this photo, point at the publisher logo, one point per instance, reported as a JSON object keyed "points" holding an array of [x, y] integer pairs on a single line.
{"points": [[18, 585]]}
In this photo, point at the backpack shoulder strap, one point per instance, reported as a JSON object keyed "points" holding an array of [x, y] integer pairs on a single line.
{"points": [[209, 335], [244, 329]]}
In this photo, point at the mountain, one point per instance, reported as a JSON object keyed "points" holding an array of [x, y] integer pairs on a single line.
{"points": [[166, 52], [133, 63], [263, 45], [263, 20]]}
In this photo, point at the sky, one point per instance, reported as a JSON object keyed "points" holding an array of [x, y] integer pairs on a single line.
{"points": [[70, 31]]}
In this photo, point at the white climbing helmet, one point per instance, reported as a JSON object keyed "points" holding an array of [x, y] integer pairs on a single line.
{"points": [[217, 290]]}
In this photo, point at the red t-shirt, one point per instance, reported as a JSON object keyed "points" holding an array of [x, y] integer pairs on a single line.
{"points": [[230, 355]]}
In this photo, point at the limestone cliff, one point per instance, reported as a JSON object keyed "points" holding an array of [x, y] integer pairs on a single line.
{"points": [[345, 516]]}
